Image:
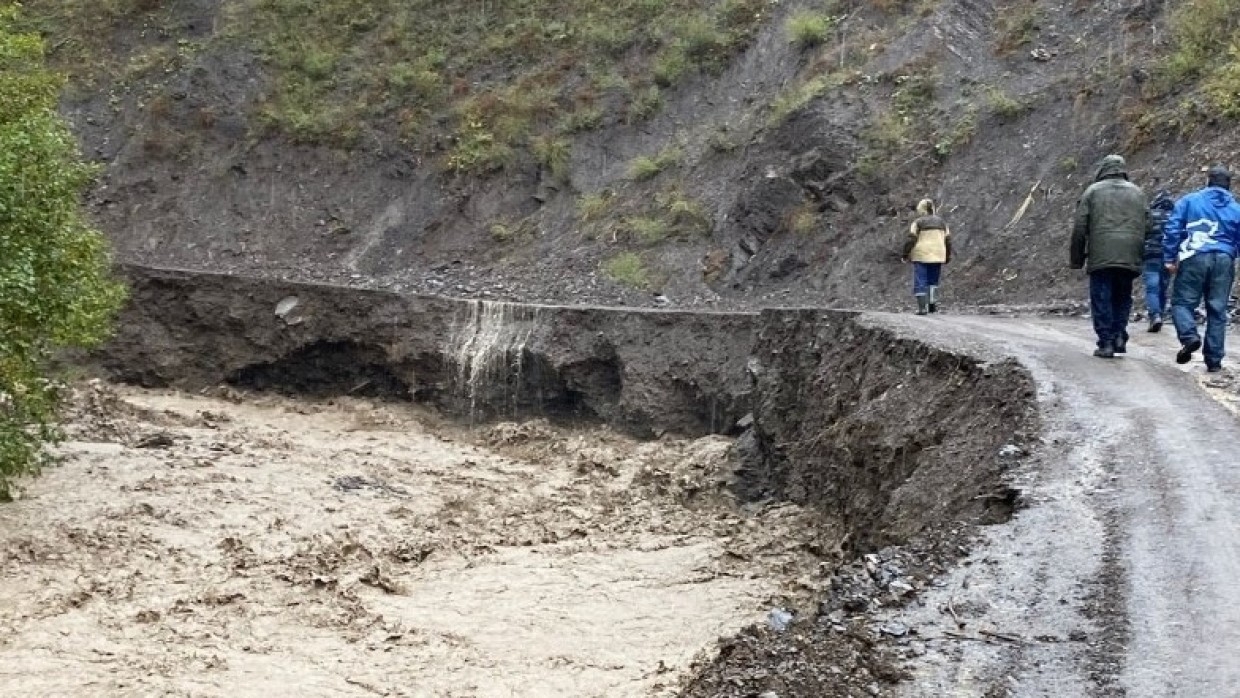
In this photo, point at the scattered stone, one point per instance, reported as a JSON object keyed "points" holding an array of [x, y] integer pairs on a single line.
{"points": [[1011, 451], [894, 628], [159, 439], [778, 619]]}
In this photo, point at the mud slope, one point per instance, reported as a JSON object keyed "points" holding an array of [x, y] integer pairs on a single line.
{"points": [[791, 176]]}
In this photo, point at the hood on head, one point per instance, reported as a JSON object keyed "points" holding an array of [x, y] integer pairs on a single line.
{"points": [[1111, 166], [925, 207], [1221, 198], [1163, 201]]}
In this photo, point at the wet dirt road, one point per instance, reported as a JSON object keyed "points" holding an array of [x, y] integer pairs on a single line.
{"points": [[1122, 576]]}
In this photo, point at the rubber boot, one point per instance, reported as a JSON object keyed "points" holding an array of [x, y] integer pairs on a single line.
{"points": [[934, 299], [923, 305]]}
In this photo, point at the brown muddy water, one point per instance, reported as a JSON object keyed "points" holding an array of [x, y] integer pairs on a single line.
{"points": [[257, 546]]}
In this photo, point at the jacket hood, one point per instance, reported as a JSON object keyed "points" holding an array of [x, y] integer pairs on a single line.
{"points": [[1163, 201], [925, 207], [1221, 198], [1111, 166]]}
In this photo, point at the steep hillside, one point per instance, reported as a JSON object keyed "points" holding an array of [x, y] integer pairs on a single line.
{"points": [[718, 151]]}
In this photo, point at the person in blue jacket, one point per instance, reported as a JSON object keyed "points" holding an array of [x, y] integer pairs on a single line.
{"points": [[1200, 243]]}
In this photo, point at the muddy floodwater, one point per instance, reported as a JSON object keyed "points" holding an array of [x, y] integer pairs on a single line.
{"points": [[234, 546]]}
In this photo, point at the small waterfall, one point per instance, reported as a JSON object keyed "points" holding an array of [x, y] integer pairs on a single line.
{"points": [[487, 346]]}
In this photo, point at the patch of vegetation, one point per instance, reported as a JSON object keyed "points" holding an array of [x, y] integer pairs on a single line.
{"points": [[645, 104], [492, 75], [1004, 106], [1201, 32], [914, 93], [553, 153], [808, 28], [959, 134], [671, 214], [795, 98], [685, 215], [642, 219], [509, 231], [629, 269], [721, 140], [55, 285], [1068, 164], [646, 167], [593, 207], [1016, 26]]}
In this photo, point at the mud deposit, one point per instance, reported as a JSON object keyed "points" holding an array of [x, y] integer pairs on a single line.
{"points": [[259, 547]]}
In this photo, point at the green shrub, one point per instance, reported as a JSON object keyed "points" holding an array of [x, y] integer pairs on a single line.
{"points": [[1016, 26], [670, 65], [648, 167], [649, 230], [807, 28], [55, 286], [553, 153], [793, 100], [592, 207], [628, 269], [1004, 106], [646, 103]]}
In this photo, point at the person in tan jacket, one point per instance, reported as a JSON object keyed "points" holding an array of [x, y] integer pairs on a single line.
{"points": [[928, 247]]}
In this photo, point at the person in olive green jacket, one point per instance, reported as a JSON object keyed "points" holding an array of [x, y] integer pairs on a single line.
{"points": [[1108, 239], [928, 246]]}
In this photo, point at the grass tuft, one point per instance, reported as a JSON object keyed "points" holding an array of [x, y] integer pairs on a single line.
{"points": [[807, 28], [629, 269]]}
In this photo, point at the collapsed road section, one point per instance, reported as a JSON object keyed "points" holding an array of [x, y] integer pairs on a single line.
{"points": [[612, 490]]}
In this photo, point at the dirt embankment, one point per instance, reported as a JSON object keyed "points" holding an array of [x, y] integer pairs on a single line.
{"points": [[883, 444], [797, 168], [900, 444]]}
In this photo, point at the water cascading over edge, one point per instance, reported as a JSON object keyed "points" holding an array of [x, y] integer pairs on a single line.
{"points": [[488, 350]]}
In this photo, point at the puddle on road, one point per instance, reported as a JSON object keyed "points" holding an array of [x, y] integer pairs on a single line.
{"points": [[196, 546]]}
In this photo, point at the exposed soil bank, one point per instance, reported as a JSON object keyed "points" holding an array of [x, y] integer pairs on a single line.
{"points": [[641, 371]]}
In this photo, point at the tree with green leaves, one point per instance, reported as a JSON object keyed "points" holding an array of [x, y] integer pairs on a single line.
{"points": [[56, 290]]}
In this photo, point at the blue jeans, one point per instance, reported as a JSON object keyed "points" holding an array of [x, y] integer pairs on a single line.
{"points": [[1207, 275], [1157, 279], [1110, 303], [925, 275]]}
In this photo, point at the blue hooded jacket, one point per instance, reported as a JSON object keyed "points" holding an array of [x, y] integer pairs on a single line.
{"points": [[1204, 221]]}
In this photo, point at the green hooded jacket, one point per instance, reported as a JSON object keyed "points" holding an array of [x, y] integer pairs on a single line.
{"points": [[1111, 220]]}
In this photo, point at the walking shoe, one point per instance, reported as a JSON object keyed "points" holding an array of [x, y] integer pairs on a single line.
{"points": [[934, 307], [1214, 368], [1121, 345], [1105, 351], [1186, 352], [1156, 324]]}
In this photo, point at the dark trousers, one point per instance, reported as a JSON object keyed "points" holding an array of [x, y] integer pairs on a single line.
{"points": [[1208, 276], [1157, 279], [1110, 303]]}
